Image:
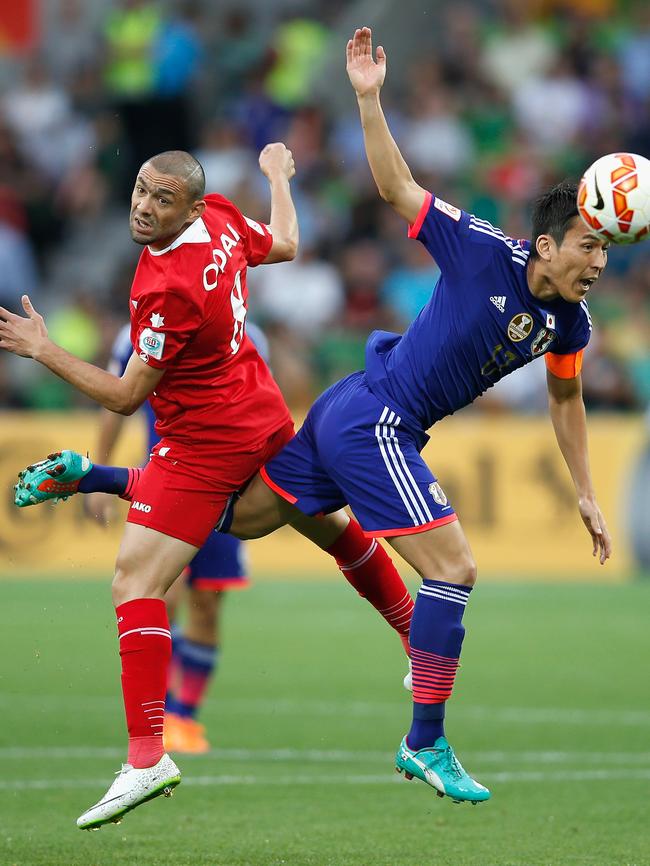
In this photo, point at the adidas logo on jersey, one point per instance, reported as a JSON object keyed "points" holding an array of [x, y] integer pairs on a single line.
{"points": [[499, 302]]}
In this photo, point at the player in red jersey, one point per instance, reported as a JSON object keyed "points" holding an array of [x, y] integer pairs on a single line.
{"points": [[220, 417]]}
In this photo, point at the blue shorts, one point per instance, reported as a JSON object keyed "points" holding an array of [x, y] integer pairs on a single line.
{"points": [[353, 450], [219, 564]]}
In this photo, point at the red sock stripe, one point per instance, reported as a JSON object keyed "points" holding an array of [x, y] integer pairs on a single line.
{"points": [[433, 676], [349, 566], [134, 477], [399, 615]]}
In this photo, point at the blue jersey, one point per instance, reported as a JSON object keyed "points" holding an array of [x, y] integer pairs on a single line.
{"points": [[480, 323], [123, 349]]}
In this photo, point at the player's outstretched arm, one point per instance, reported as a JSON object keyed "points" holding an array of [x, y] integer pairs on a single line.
{"points": [[27, 336], [276, 162], [568, 415], [389, 169]]}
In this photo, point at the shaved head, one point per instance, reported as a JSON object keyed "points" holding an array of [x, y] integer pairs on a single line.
{"points": [[180, 164], [167, 198]]}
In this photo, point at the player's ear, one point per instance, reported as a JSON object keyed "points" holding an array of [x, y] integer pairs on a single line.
{"points": [[197, 209], [544, 246]]}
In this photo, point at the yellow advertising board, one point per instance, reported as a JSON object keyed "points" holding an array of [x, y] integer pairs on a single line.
{"points": [[504, 476]]}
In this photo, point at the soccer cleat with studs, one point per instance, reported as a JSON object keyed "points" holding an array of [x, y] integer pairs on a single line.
{"points": [[131, 788], [57, 477], [439, 767]]}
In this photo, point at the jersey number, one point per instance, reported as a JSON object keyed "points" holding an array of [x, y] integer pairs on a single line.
{"points": [[210, 281], [238, 312], [498, 364]]}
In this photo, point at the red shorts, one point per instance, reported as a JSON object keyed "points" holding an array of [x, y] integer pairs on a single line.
{"points": [[184, 499]]}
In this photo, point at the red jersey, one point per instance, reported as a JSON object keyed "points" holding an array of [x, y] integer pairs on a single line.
{"points": [[188, 317]]}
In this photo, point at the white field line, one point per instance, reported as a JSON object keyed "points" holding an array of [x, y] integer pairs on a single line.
{"points": [[317, 756], [342, 779], [353, 709]]}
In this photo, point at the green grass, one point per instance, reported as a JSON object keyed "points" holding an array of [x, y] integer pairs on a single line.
{"points": [[551, 711]]}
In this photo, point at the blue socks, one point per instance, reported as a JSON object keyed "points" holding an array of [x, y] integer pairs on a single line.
{"points": [[105, 479], [436, 638]]}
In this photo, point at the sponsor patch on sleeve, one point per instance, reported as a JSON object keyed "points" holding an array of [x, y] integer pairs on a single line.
{"points": [[152, 343], [448, 209]]}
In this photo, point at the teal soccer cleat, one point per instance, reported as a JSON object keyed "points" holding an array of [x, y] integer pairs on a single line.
{"points": [[56, 477], [439, 767]]}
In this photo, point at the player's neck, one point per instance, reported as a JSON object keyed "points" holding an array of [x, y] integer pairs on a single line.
{"points": [[540, 285], [164, 243]]}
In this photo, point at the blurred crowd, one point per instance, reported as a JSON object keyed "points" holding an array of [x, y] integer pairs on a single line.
{"points": [[499, 100]]}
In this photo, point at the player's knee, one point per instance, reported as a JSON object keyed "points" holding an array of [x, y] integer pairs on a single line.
{"points": [[129, 582], [464, 571]]}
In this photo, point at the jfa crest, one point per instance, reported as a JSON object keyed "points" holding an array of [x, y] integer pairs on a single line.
{"points": [[542, 341]]}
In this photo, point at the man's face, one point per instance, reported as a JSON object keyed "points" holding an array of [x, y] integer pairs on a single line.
{"points": [[160, 210], [577, 263]]}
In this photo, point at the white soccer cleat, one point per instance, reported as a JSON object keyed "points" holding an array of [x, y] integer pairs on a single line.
{"points": [[131, 788], [408, 679]]}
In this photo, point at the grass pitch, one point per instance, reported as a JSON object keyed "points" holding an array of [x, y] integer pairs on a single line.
{"points": [[551, 711]]}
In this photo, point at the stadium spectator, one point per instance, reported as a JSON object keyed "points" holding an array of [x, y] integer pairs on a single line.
{"points": [[17, 265], [71, 44], [634, 53], [407, 286], [300, 46], [516, 41], [227, 161], [297, 304], [48, 131]]}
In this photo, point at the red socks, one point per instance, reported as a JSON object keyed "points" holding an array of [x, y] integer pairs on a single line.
{"points": [[370, 570], [145, 650]]}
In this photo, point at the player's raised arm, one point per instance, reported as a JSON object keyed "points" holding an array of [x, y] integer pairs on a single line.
{"points": [[391, 173], [27, 336], [276, 162], [567, 411]]}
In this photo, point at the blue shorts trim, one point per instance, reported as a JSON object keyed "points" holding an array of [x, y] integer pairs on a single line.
{"points": [[353, 450]]}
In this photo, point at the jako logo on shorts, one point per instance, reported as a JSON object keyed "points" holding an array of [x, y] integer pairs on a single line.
{"points": [[140, 506]]}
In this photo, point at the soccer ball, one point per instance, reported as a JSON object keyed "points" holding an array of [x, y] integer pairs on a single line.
{"points": [[614, 197]]}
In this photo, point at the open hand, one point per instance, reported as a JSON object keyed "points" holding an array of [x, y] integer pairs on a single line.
{"points": [[595, 522], [366, 75], [20, 335]]}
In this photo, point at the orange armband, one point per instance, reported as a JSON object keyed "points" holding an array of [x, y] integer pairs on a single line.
{"points": [[564, 366]]}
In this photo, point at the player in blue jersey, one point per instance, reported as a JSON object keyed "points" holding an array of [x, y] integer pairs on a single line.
{"points": [[498, 304], [219, 565]]}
